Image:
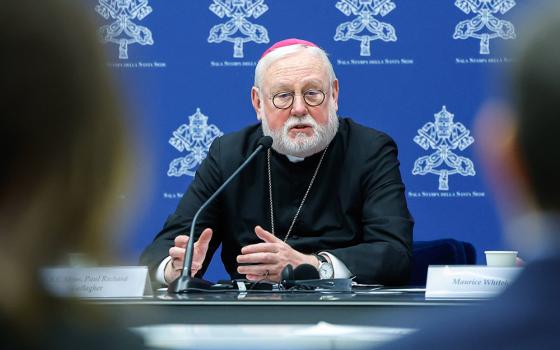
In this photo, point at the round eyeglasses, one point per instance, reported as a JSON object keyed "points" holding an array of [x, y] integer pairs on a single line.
{"points": [[285, 100]]}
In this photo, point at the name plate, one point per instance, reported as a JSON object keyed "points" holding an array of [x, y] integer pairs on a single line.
{"points": [[97, 282], [468, 281]]}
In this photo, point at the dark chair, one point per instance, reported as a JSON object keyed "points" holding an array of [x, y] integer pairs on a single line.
{"points": [[439, 252]]}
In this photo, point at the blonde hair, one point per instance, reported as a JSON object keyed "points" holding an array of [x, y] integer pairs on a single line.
{"points": [[63, 143]]}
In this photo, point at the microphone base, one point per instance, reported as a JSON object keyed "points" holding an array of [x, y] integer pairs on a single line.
{"points": [[187, 284]]}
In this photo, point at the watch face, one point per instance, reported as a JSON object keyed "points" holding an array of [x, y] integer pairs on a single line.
{"points": [[326, 271]]}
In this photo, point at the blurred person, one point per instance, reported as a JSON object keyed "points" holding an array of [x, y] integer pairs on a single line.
{"points": [[521, 151], [63, 157], [329, 193]]}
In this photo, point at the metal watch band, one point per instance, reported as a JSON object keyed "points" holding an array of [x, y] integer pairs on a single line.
{"points": [[321, 259]]}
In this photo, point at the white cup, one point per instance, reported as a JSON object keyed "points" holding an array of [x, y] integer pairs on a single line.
{"points": [[502, 258]]}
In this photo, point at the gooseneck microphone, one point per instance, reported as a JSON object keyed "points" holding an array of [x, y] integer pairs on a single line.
{"points": [[186, 283]]}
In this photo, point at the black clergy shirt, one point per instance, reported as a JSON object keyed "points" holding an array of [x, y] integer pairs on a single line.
{"points": [[356, 209]]}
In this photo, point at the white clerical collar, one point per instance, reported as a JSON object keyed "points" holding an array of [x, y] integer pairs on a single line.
{"points": [[294, 159]]}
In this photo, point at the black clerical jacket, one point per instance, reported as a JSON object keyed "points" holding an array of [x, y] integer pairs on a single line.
{"points": [[356, 209]]}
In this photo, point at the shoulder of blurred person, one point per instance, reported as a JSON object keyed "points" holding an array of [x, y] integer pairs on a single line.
{"points": [[64, 156], [521, 157], [523, 317], [67, 329]]}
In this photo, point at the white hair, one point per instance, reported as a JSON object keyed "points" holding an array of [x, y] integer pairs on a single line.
{"points": [[282, 52]]}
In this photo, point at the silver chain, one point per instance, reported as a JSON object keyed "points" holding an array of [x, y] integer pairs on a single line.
{"points": [[302, 201], [270, 193]]}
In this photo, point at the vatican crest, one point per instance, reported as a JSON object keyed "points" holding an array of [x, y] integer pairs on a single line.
{"points": [[238, 30], [444, 136], [123, 31], [195, 138], [365, 28], [485, 25]]}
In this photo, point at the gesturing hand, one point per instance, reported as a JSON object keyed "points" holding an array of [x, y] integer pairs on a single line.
{"points": [[269, 257], [177, 254]]}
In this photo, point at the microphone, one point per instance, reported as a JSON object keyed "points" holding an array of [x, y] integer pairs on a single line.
{"points": [[290, 274], [306, 277], [306, 272], [185, 283]]}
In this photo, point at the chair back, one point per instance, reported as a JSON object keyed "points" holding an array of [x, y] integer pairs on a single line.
{"points": [[439, 252]]}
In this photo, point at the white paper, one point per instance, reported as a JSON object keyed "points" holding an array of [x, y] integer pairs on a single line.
{"points": [[264, 337]]}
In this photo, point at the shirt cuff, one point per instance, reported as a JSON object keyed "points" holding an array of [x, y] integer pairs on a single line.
{"points": [[160, 272], [339, 268]]}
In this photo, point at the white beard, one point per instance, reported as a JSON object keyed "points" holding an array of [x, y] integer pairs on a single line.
{"points": [[302, 145]]}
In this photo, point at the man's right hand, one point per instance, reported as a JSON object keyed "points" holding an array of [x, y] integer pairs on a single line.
{"points": [[177, 254]]}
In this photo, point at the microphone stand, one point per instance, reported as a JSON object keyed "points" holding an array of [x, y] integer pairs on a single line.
{"points": [[186, 283]]}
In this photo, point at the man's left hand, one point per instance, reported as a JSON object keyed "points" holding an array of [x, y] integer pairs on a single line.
{"points": [[270, 257]]}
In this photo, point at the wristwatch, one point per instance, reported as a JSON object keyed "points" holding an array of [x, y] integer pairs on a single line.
{"points": [[326, 270]]}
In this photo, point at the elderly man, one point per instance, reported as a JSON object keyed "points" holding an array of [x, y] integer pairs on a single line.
{"points": [[329, 193]]}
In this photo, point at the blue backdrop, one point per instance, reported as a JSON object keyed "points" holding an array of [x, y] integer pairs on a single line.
{"points": [[185, 84]]}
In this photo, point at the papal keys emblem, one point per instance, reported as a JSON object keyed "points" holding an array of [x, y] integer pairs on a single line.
{"points": [[238, 30], [485, 25], [123, 31], [365, 28], [194, 138], [444, 136]]}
